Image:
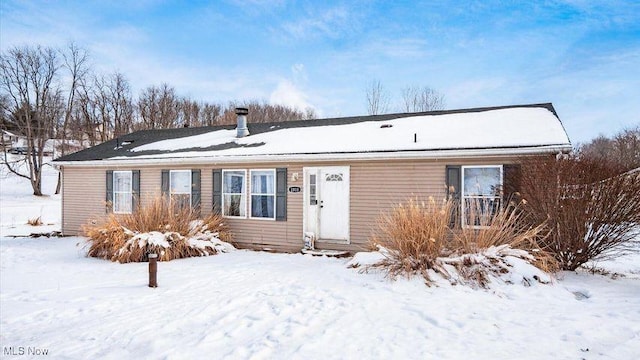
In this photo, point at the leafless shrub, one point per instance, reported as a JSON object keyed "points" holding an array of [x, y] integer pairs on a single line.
{"points": [[591, 209]]}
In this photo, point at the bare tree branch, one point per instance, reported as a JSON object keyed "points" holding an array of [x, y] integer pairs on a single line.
{"points": [[377, 98], [416, 99], [29, 80]]}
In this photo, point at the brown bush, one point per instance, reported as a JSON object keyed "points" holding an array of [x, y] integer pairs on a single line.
{"points": [[511, 225], [416, 234], [591, 209], [115, 238]]}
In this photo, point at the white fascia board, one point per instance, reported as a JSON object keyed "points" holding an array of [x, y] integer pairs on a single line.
{"points": [[326, 157]]}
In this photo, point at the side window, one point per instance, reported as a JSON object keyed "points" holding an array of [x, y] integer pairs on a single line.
{"points": [[313, 200], [180, 188], [233, 193], [481, 194], [122, 192], [263, 194]]}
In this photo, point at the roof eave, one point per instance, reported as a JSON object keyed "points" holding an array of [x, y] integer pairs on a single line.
{"points": [[355, 156]]}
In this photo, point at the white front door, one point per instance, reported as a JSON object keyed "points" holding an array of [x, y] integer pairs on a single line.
{"points": [[327, 202]]}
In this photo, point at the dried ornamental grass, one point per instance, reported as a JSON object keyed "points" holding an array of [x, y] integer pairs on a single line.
{"points": [[416, 238], [171, 233], [510, 225], [414, 234], [35, 221]]}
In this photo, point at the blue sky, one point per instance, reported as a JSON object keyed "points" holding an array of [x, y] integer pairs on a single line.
{"points": [[584, 56]]}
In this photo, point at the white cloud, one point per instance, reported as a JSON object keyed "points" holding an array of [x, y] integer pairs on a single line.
{"points": [[329, 23], [286, 93]]}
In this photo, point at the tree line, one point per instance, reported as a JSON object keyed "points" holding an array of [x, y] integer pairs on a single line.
{"points": [[52, 93], [622, 149], [69, 100], [413, 99]]}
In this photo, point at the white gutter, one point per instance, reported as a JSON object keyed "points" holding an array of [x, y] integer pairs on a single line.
{"points": [[325, 157]]}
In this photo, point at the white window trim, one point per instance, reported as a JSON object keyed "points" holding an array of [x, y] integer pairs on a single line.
{"points": [[170, 187], [275, 186], [244, 192], [462, 195], [130, 192]]}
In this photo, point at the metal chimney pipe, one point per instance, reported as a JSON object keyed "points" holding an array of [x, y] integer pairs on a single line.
{"points": [[242, 130]]}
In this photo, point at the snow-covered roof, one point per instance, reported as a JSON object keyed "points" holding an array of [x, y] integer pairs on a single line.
{"points": [[481, 129], [9, 133]]}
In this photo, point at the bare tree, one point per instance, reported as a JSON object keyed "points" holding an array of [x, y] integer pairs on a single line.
{"points": [[5, 116], [623, 149], [377, 98], [416, 99], [189, 112], [76, 62], [210, 114], [85, 120], [29, 81], [263, 112], [101, 103], [121, 104], [158, 107]]}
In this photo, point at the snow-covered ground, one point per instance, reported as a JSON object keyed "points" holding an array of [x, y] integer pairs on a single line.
{"points": [[256, 305], [18, 205]]}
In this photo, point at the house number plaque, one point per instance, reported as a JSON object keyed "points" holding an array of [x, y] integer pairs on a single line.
{"points": [[294, 189]]}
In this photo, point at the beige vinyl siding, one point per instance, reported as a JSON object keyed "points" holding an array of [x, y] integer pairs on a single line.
{"points": [[375, 187], [267, 233], [83, 193]]}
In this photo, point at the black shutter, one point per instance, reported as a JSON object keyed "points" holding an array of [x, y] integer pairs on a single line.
{"points": [[217, 191], [109, 195], [281, 194], [135, 187], [454, 185], [195, 190], [511, 178], [164, 186]]}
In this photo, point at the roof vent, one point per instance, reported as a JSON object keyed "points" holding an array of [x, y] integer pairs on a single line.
{"points": [[241, 129], [384, 126]]}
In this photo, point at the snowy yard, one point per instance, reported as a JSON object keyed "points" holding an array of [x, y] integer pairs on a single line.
{"points": [[255, 305]]}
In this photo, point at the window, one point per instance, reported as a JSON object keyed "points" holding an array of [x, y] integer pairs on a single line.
{"points": [[333, 177], [122, 192], [263, 194], [481, 194], [180, 188], [313, 200], [233, 193]]}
